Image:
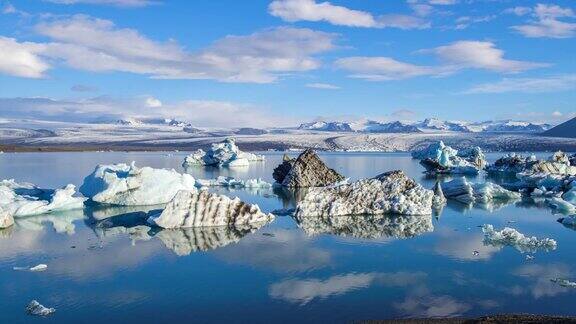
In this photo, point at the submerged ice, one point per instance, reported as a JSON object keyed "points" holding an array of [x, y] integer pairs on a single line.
{"points": [[128, 185]]}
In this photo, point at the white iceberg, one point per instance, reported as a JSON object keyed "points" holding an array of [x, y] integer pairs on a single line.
{"points": [[462, 190], [441, 159], [511, 237], [562, 205], [37, 268], [128, 185], [221, 154], [24, 199], [37, 309], [564, 282], [389, 193], [196, 209]]}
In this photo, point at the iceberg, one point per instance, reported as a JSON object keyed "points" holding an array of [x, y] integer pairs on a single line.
{"points": [[196, 209], [307, 170], [569, 221], [128, 185], [367, 226], [439, 200], [389, 193], [37, 309], [564, 282], [562, 205], [511, 237], [441, 159], [25, 199], [225, 153], [6, 218], [512, 164], [461, 190]]}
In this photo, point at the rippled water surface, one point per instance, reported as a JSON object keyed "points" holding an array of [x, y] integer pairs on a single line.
{"points": [[105, 265]]}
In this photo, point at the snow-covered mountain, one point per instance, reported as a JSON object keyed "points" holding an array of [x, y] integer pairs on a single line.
{"points": [[426, 126]]}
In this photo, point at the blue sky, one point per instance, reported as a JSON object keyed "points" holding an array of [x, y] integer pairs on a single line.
{"points": [[280, 62]]}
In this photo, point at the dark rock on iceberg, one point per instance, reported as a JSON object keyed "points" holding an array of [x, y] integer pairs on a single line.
{"points": [[305, 171]]}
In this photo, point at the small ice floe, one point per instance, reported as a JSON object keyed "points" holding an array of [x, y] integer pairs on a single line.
{"points": [[128, 185], [36, 268], [529, 257], [25, 199], [230, 182], [37, 309], [389, 193], [223, 154], [196, 209], [564, 282], [439, 158], [308, 170], [511, 237]]}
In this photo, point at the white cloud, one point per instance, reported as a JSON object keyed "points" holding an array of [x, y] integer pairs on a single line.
{"points": [[527, 85], [518, 11], [310, 10], [9, 9], [325, 86], [21, 59], [546, 23], [480, 55], [98, 45], [152, 102], [454, 57], [118, 3]]}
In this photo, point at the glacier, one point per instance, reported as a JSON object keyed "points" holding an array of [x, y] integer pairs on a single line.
{"points": [[225, 153], [195, 209], [128, 185], [389, 193]]}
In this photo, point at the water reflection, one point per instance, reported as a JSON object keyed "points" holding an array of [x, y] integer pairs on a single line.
{"points": [[61, 222], [367, 226]]}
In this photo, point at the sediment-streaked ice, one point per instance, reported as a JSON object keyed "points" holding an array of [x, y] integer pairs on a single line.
{"points": [[195, 209], [389, 193], [128, 185]]}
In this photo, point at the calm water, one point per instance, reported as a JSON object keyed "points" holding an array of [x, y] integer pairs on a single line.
{"points": [[117, 271]]}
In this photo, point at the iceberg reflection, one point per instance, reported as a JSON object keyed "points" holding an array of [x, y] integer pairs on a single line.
{"points": [[367, 226]]}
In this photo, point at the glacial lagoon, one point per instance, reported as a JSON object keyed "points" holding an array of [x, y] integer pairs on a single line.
{"points": [[105, 264]]}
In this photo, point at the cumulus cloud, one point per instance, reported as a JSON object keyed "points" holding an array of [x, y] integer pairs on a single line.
{"points": [[546, 23], [527, 85], [453, 57], [118, 3], [310, 10], [21, 59], [152, 102], [98, 45], [325, 86]]}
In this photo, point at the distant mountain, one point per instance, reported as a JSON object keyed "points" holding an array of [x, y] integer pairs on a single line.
{"points": [[327, 126], [440, 125], [393, 127], [567, 129], [515, 126]]}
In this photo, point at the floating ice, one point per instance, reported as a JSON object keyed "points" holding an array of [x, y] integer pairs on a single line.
{"points": [[439, 199], [569, 221], [225, 153], [37, 268], [389, 193], [24, 199], [511, 237], [512, 163], [35, 308], [231, 182], [6, 218], [441, 159], [564, 282], [193, 209], [128, 185], [562, 205], [462, 190]]}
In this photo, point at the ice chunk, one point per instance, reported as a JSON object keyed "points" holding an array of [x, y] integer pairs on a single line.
{"points": [[231, 182], [389, 193], [562, 205], [24, 199], [564, 282], [511, 237], [462, 190], [35, 308], [569, 221], [128, 185], [441, 159], [221, 154], [308, 170], [512, 163], [439, 199], [6, 218], [570, 195], [367, 226], [40, 267], [194, 209]]}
